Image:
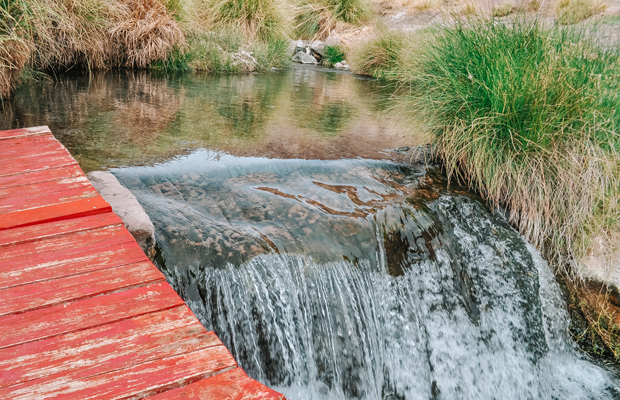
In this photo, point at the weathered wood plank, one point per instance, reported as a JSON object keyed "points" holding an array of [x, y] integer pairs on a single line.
{"points": [[33, 141], [10, 204], [81, 208], [43, 188], [51, 321], [43, 175], [57, 228], [36, 162], [56, 247], [48, 293], [21, 132], [107, 347], [99, 256], [137, 382], [230, 385], [30, 147]]}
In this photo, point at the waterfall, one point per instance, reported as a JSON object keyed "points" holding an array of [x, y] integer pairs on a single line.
{"points": [[363, 280]]}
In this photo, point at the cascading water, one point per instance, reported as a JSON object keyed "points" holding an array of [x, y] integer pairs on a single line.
{"points": [[362, 279]]}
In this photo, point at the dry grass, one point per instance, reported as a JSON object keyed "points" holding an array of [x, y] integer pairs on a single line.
{"points": [[14, 52], [97, 34], [573, 11], [145, 33]]}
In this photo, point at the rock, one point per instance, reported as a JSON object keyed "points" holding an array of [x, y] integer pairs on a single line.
{"points": [[304, 58], [333, 40], [347, 67], [126, 206], [344, 62], [318, 47], [602, 260], [292, 46], [338, 65], [299, 46]]}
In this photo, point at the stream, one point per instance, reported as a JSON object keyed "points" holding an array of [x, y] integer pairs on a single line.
{"points": [[330, 266]]}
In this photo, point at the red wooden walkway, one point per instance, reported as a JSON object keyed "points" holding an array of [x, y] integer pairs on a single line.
{"points": [[83, 313]]}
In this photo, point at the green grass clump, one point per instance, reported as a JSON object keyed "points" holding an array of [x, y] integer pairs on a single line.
{"points": [[381, 55], [255, 19], [227, 52], [503, 10], [573, 11], [527, 115], [315, 19], [273, 54], [333, 55]]}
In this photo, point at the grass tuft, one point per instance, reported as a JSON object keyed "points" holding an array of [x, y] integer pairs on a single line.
{"points": [[527, 116], [503, 10], [315, 19], [381, 55], [256, 19], [333, 55], [573, 11]]}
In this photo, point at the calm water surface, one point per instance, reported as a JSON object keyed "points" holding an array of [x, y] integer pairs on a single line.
{"points": [[132, 118]]}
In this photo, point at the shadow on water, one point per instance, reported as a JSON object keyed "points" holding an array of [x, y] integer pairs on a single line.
{"points": [[125, 118]]}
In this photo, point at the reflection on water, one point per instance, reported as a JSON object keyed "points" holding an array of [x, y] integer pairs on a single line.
{"points": [[126, 118], [362, 279]]}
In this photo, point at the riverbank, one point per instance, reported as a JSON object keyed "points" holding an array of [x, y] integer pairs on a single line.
{"points": [[525, 113]]}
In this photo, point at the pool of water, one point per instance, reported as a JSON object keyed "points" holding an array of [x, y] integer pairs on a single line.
{"points": [[127, 118]]}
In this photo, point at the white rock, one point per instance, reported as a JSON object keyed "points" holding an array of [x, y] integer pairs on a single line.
{"points": [[338, 65], [304, 58], [126, 206], [318, 47], [344, 62]]}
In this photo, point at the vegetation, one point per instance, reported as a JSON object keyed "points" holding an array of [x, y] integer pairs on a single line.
{"points": [[315, 19], [573, 11], [333, 55], [381, 56], [523, 113], [503, 10]]}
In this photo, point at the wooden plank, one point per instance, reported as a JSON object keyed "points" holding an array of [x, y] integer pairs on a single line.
{"points": [[36, 162], [230, 385], [139, 381], [11, 150], [51, 321], [11, 204], [43, 188], [81, 261], [107, 347], [43, 175], [19, 299], [56, 247], [80, 208], [32, 141], [22, 132], [57, 228]]}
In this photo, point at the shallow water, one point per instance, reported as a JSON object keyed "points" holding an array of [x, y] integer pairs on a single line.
{"points": [[328, 269], [125, 118]]}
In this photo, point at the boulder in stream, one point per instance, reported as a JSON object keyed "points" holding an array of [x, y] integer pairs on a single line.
{"points": [[126, 206], [304, 58]]}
